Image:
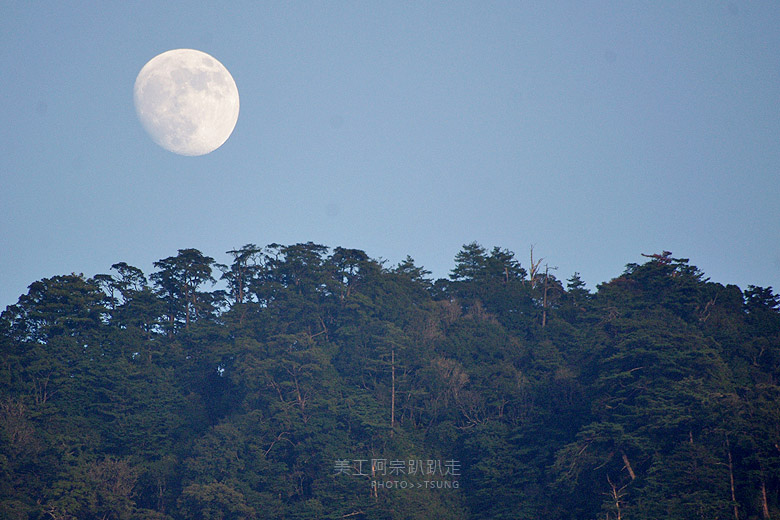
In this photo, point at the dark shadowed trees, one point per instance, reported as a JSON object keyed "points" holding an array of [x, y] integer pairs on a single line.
{"points": [[313, 372]]}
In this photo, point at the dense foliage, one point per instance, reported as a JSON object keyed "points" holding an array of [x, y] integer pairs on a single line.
{"points": [[286, 393]]}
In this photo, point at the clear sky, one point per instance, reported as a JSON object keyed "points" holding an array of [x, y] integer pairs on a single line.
{"points": [[594, 131]]}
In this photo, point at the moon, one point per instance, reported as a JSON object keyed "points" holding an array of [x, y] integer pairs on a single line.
{"points": [[187, 101]]}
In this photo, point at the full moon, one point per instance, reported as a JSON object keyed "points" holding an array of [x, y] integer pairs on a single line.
{"points": [[187, 101]]}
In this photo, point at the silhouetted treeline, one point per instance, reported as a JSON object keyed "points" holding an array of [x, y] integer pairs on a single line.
{"points": [[320, 383]]}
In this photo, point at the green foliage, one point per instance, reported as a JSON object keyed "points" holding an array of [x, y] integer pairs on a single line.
{"points": [[161, 398]]}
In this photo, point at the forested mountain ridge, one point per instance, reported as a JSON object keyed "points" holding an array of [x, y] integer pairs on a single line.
{"points": [[320, 383]]}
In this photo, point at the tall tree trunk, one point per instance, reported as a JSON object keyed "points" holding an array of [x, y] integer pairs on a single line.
{"points": [[731, 480], [544, 300], [628, 466], [392, 396], [171, 322], [764, 502], [533, 269], [373, 491], [617, 495], [187, 309]]}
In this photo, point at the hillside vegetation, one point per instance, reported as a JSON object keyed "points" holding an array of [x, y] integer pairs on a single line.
{"points": [[322, 384]]}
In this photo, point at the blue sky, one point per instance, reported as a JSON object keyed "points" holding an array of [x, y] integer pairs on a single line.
{"points": [[594, 131]]}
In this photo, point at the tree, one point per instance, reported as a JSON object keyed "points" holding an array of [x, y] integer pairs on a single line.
{"points": [[178, 282], [69, 304], [247, 263], [473, 263], [214, 501], [763, 310]]}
